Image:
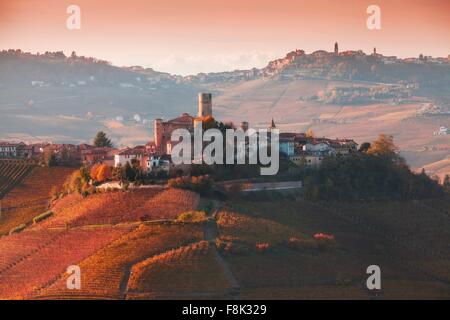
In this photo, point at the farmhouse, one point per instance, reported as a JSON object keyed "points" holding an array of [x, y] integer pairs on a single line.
{"points": [[8, 149], [127, 155], [309, 151]]}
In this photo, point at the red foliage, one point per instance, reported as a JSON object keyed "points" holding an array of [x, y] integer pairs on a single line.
{"points": [[323, 236]]}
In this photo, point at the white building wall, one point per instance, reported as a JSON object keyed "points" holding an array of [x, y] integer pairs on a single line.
{"points": [[123, 159]]}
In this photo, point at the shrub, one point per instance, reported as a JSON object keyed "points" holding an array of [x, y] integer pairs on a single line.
{"points": [[231, 246], [302, 244], [324, 236], [54, 193], [320, 241], [42, 216], [192, 216], [262, 247], [18, 229], [325, 241], [201, 184]]}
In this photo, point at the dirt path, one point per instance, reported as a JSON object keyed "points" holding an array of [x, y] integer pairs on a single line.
{"points": [[211, 234]]}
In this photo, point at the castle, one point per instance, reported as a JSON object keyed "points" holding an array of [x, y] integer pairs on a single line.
{"points": [[163, 129]]}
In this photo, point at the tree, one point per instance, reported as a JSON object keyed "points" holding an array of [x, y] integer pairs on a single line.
{"points": [[384, 146], [93, 171], [365, 147], [100, 172], [362, 176], [103, 173], [118, 174], [78, 182], [446, 182], [102, 140], [208, 122], [49, 158], [129, 172], [310, 133]]}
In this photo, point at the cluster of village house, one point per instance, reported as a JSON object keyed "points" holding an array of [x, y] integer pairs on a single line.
{"points": [[299, 148]]}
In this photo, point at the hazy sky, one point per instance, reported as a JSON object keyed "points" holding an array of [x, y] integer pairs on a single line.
{"points": [[190, 36]]}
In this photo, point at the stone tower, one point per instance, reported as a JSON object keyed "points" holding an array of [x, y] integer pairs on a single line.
{"points": [[244, 125], [204, 104], [336, 48], [158, 132]]}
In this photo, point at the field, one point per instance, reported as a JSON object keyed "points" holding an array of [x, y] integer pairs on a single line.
{"points": [[31, 196]]}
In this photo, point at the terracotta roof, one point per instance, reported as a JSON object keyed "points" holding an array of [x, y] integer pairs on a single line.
{"points": [[131, 151], [184, 118], [100, 150], [11, 144]]}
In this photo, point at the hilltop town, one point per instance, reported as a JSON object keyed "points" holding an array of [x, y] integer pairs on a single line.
{"points": [[154, 158]]}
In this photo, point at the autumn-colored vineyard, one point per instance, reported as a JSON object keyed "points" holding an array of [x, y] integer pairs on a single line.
{"points": [[422, 228], [134, 245], [31, 197], [188, 271], [121, 206], [44, 255], [104, 272], [252, 230], [388, 233], [12, 172]]}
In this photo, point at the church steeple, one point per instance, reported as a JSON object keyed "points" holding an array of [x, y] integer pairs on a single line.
{"points": [[272, 125]]}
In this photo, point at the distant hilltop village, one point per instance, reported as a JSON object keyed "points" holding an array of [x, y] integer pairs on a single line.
{"points": [[302, 149], [55, 70], [352, 65]]}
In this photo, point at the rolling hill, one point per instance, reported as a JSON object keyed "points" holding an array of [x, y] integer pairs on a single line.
{"points": [[280, 249], [69, 98]]}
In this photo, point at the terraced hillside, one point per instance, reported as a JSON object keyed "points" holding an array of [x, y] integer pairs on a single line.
{"points": [[120, 207], [46, 254], [286, 248], [105, 273], [12, 172], [408, 240], [190, 271], [30, 197]]}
